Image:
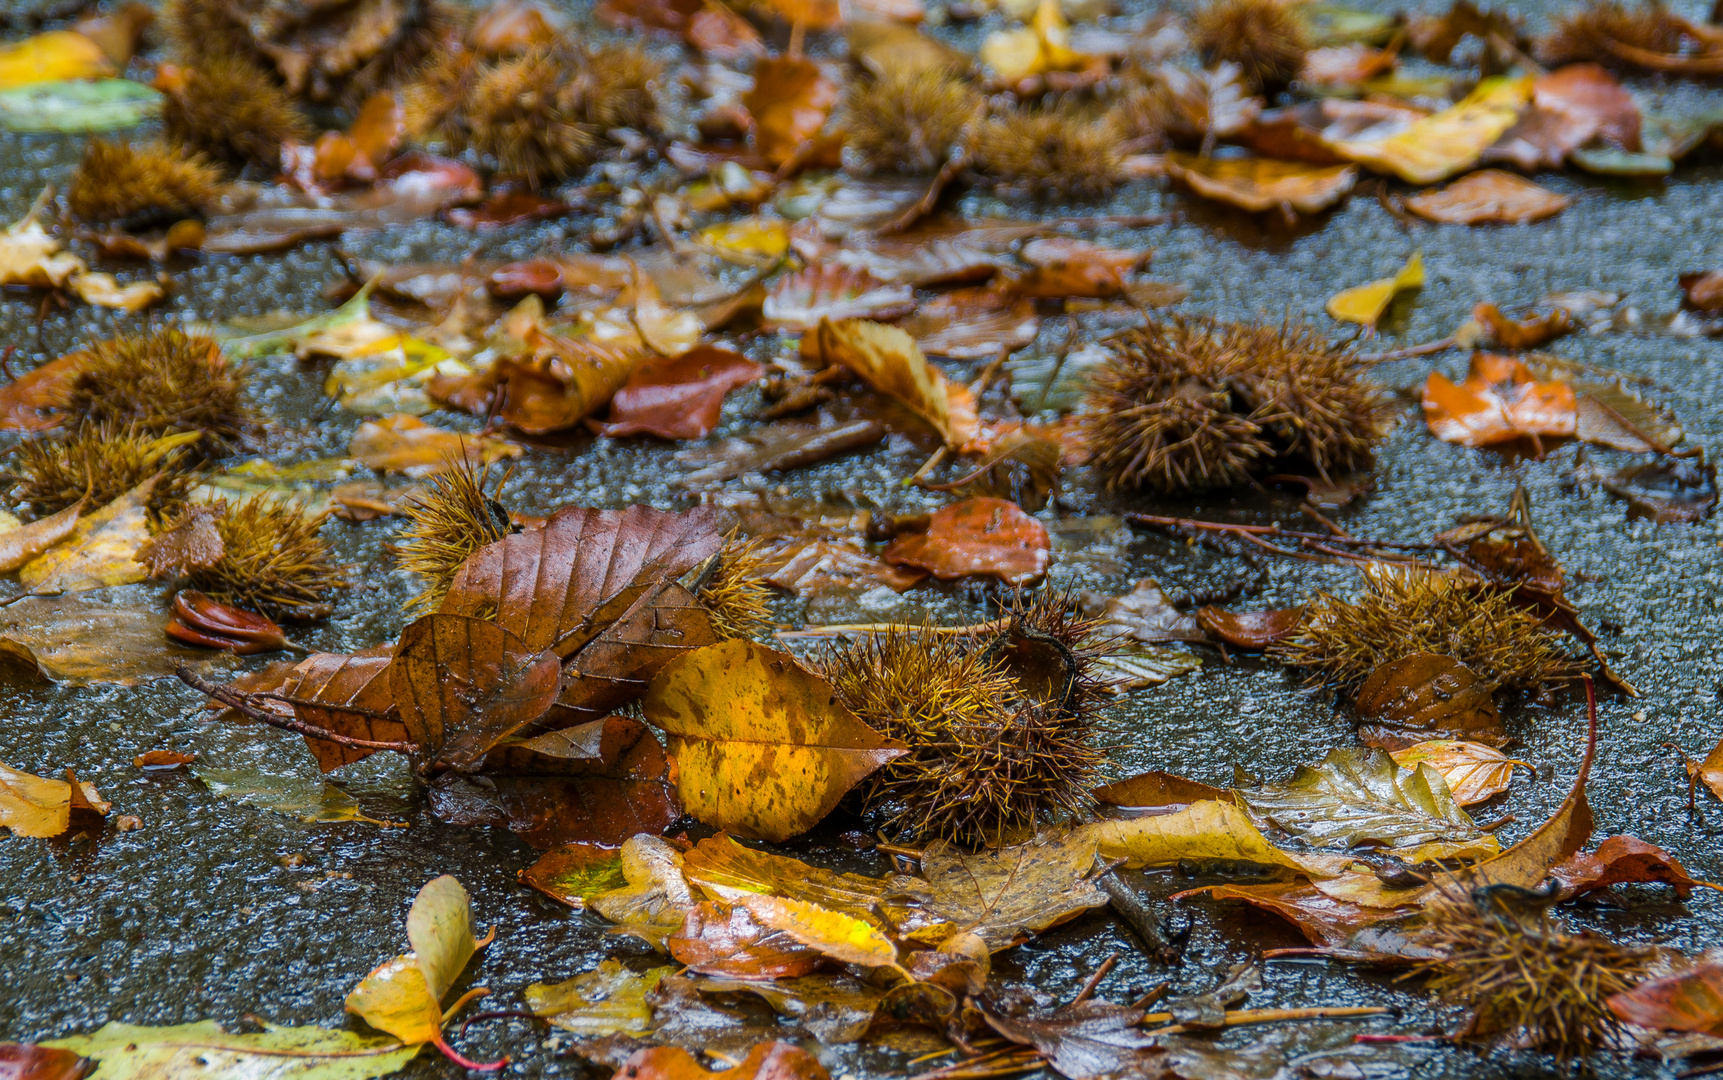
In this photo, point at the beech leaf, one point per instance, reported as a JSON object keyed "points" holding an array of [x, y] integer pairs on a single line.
{"points": [[401, 996], [842, 937], [1264, 184], [1005, 895], [977, 536], [890, 361], [1488, 197], [462, 685], [100, 551], [1209, 831], [1473, 772]]}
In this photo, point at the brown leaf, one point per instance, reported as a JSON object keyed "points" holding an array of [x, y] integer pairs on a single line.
{"points": [[1474, 772], [1702, 291], [1147, 614], [162, 759], [193, 544], [1488, 197], [766, 1061], [973, 324], [978, 535], [24, 1061], [719, 938], [462, 685], [1426, 696], [510, 208], [548, 801], [679, 397], [1007, 894], [1263, 184], [1689, 1001], [1596, 99], [789, 102], [345, 694], [21, 545], [892, 363], [1323, 920], [1250, 629], [1667, 491], [406, 444], [800, 301], [1623, 860], [810, 567], [614, 669], [198, 620], [1082, 1039], [574, 873], [1521, 334], [1159, 790]]}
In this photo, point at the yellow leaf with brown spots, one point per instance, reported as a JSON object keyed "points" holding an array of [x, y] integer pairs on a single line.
{"points": [[101, 551], [762, 747]]}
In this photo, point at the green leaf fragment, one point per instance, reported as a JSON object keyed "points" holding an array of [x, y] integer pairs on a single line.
{"points": [[75, 105]]}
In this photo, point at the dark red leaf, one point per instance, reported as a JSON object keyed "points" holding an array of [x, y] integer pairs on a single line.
{"points": [[678, 397], [1250, 629]]}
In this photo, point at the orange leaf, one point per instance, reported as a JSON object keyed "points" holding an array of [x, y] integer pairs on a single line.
{"points": [[1500, 400], [981, 535], [789, 102]]}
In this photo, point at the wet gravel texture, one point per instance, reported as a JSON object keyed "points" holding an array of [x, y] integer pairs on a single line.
{"points": [[218, 910]]}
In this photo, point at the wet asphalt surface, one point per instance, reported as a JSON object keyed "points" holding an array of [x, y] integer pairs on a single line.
{"points": [[218, 910]]}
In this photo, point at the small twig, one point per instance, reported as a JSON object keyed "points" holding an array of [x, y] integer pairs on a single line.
{"points": [[1505, 819], [1101, 972], [1155, 994], [1136, 913], [926, 466], [1241, 1017], [843, 629], [1429, 348], [239, 703]]}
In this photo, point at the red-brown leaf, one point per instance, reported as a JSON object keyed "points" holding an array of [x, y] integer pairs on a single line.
{"points": [[980, 535], [462, 685], [1623, 860], [1250, 629], [678, 397]]}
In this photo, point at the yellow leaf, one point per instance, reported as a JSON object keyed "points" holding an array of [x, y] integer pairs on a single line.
{"points": [[1365, 303], [35, 806], [768, 237], [100, 552], [402, 995], [1207, 831], [892, 363], [841, 937], [664, 329], [29, 256], [1436, 147], [58, 54], [1474, 772], [1055, 34], [607, 1000], [762, 747], [104, 290], [406, 444], [1013, 55], [656, 894]]}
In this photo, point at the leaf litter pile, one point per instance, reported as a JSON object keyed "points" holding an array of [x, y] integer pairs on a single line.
{"points": [[743, 540]]}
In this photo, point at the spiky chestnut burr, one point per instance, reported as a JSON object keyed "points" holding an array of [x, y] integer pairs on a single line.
{"points": [[736, 593], [454, 517], [907, 120], [140, 185], [1263, 37], [163, 381], [275, 561], [230, 109], [100, 462], [1055, 152]]}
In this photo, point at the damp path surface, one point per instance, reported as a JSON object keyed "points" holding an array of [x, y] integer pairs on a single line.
{"points": [[218, 910]]}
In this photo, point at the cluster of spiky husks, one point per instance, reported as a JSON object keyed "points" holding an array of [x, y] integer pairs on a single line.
{"points": [[1528, 981], [1263, 37], [1401, 612], [735, 591], [1000, 727], [141, 184], [908, 120], [542, 114], [328, 52], [101, 462], [455, 517], [160, 382], [1054, 152], [231, 109], [275, 561], [1648, 37], [1185, 405]]}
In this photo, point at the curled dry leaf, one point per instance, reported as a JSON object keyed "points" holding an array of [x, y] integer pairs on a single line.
{"points": [[762, 747], [1623, 860], [405, 444], [679, 397], [1473, 772], [1364, 304], [977, 536], [1264, 184], [199, 621], [1488, 197], [1250, 629], [657, 895], [892, 363], [34, 806]]}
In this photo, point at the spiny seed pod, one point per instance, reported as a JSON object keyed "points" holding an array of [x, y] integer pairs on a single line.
{"points": [[1527, 980], [736, 592], [160, 382], [1263, 37], [1647, 37], [1144, 112], [455, 517], [908, 120], [229, 108], [1057, 153], [141, 185], [274, 563], [1401, 612], [1185, 405], [543, 114], [101, 462], [988, 758], [1051, 649]]}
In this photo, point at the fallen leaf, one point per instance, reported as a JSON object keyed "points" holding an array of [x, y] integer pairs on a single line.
{"points": [[89, 638], [1433, 148], [817, 566], [604, 1001], [22, 543], [1005, 895], [33, 806], [202, 1051], [1701, 291], [835, 1009], [575, 873], [762, 747], [194, 543], [1160, 790], [1082, 1039], [680, 397], [57, 54], [1023, 52], [402, 995], [1666, 492], [973, 324], [1589, 94], [724, 869], [1489, 324], [1147, 614], [1623, 860], [1264, 184], [835, 934], [162, 759], [1364, 304], [766, 1061], [22, 1061], [1499, 401], [315, 801], [1473, 772], [892, 363], [977, 536], [718, 938], [341, 693], [1250, 629], [34, 401], [1689, 1001], [789, 102], [802, 300], [1359, 798], [781, 447], [656, 895], [1488, 197], [1406, 701], [1209, 831], [405, 444], [100, 552]]}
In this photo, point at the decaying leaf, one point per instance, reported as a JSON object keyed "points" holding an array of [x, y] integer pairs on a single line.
{"points": [[402, 995], [203, 1051], [977, 536], [103, 636], [1364, 304], [1264, 184], [1689, 1001], [1488, 197], [575, 873], [1004, 895], [1474, 772], [762, 747], [788, 104], [1209, 831], [604, 1001], [1406, 701], [892, 363], [1499, 401], [101, 550], [1433, 148], [33, 806], [1624, 860]]}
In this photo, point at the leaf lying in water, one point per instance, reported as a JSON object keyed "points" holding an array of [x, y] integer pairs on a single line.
{"points": [[575, 873], [104, 636], [1473, 772], [718, 938], [835, 1009], [1133, 665], [1007, 894], [762, 747], [1364, 304], [604, 1001], [1406, 701], [680, 397], [1209, 831], [1362, 798], [1488, 197], [316, 801], [402, 996], [34, 806], [202, 1051], [74, 105], [1623, 860], [977, 536], [1264, 184], [1499, 401]]}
